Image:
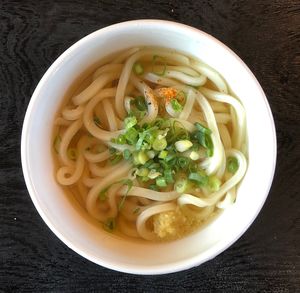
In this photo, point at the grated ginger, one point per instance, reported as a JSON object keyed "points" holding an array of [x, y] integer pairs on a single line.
{"points": [[176, 224], [172, 224]]}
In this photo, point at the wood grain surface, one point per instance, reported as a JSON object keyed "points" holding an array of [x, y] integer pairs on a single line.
{"points": [[265, 34]]}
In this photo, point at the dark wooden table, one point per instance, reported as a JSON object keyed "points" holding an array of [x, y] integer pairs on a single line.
{"points": [[265, 34]]}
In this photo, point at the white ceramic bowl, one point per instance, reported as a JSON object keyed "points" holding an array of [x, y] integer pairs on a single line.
{"points": [[74, 229]]}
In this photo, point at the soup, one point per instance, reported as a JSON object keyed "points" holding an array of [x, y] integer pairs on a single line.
{"points": [[152, 144]]}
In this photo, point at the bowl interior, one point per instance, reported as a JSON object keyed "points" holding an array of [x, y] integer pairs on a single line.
{"points": [[64, 217]]}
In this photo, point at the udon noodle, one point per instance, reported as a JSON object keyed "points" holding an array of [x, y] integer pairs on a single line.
{"points": [[154, 145]]}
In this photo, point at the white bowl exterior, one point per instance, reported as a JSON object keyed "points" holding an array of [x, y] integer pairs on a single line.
{"points": [[104, 248]]}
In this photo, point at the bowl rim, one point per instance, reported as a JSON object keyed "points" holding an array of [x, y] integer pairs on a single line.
{"points": [[131, 268]]}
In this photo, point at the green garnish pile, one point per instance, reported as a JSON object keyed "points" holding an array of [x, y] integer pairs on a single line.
{"points": [[166, 154]]}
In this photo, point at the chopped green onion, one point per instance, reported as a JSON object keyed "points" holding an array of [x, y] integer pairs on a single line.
{"points": [[195, 147], [137, 113], [110, 224], [159, 144], [140, 141], [154, 165], [161, 182], [203, 136], [177, 132], [140, 103], [202, 128], [177, 107], [164, 165], [183, 162], [135, 159], [181, 185], [214, 183], [163, 154], [161, 123], [72, 154], [56, 143], [210, 152], [170, 156], [168, 176], [150, 135], [146, 126], [126, 154], [158, 59], [142, 157], [143, 172], [163, 133], [183, 145], [194, 156], [116, 158], [151, 154], [173, 164], [131, 136], [129, 184], [193, 167], [97, 121], [232, 164], [121, 139], [130, 121], [138, 68], [199, 177], [153, 174], [148, 163], [112, 151]]}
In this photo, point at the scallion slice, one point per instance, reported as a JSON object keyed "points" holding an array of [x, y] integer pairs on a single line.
{"points": [[159, 144], [177, 107], [138, 68], [199, 177], [143, 172], [131, 136], [142, 157], [129, 184], [168, 175], [130, 121], [156, 60], [232, 164], [202, 128], [183, 162], [183, 145], [140, 103], [214, 183], [116, 158], [153, 174], [121, 139], [203, 137], [181, 185], [127, 154], [161, 182], [163, 154]]}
